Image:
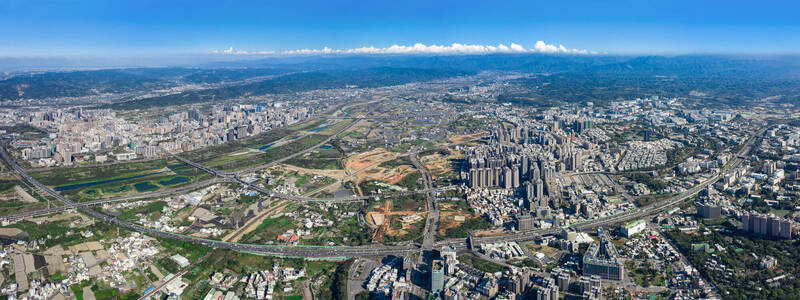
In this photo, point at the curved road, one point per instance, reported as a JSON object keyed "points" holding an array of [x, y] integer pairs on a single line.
{"points": [[376, 250]]}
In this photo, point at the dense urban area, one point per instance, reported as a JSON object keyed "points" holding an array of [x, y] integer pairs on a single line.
{"points": [[602, 179]]}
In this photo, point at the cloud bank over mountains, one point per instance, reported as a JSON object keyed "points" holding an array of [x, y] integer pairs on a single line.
{"points": [[453, 49]]}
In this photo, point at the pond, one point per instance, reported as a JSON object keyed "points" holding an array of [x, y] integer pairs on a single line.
{"points": [[174, 180], [145, 186]]}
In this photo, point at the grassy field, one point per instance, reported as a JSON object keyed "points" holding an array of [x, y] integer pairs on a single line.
{"points": [[414, 202], [463, 230], [413, 232], [151, 209], [212, 155], [11, 207], [59, 232], [333, 129], [321, 159], [131, 183], [317, 163], [208, 153], [271, 154], [481, 264], [62, 176], [269, 230], [400, 161], [645, 275], [412, 181]]}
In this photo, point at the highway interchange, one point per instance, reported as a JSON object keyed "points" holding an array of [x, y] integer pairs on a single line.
{"points": [[352, 251]]}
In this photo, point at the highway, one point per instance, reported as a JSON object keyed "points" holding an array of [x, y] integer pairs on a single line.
{"points": [[234, 177], [276, 250], [372, 250], [155, 194], [634, 214], [674, 200], [432, 220]]}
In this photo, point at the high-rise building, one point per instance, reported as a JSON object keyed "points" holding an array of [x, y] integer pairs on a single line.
{"points": [[709, 210], [437, 276], [508, 182], [563, 281], [766, 225], [539, 189], [524, 222], [746, 223]]}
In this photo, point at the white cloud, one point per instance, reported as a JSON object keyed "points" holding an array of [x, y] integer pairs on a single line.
{"points": [[418, 48], [231, 51]]}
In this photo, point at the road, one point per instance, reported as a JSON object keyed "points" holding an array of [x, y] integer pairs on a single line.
{"points": [[357, 274], [276, 250], [432, 221], [176, 276], [234, 177], [156, 194], [674, 200], [376, 250]]}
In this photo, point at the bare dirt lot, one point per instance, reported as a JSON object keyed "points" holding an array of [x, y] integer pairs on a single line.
{"points": [[385, 212], [450, 217], [460, 139], [439, 164], [366, 166]]}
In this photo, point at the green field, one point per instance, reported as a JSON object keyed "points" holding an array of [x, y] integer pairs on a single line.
{"points": [[481, 264], [63, 176], [269, 230], [90, 183]]}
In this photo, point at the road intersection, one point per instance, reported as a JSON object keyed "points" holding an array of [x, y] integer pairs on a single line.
{"points": [[334, 252]]}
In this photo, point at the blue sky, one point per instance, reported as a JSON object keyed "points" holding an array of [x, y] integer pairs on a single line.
{"points": [[86, 28]]}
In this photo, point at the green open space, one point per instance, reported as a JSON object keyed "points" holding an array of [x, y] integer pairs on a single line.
{"points": [[260, 140], [271, 154], [91, 183], [481, 264], [469, 225], [415, 202], [400, 161], [59, 231], [317, 163], [413, 231], [269, 230], [412, 181], [743, 253], [644, 274], [343, 232], [334, 128], [79, 175], [150, 209]]}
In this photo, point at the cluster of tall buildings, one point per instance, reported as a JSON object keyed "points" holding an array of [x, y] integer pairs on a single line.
{"points": [[766, 225], [590, 288], [519, 154], [547, 290], [495, 171], [75, 132]]}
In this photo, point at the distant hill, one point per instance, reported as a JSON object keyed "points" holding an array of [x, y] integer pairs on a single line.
{"points": [[80, 83], [571, 77], [689, 65], [298, 82], [86, 83]]}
